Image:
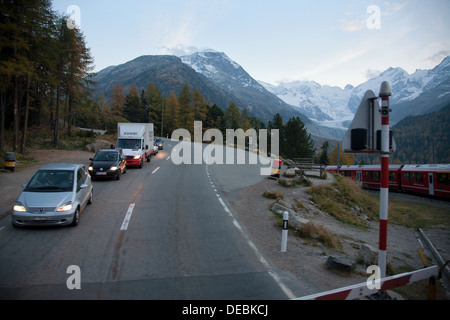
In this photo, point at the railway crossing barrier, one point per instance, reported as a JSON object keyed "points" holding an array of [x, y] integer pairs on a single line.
{"points": [[370, 288]]}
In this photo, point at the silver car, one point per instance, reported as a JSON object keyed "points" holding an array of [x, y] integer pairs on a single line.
{"points": [[55, 195]]}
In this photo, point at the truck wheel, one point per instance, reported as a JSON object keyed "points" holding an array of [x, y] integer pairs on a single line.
{"points": [[149, 158]]}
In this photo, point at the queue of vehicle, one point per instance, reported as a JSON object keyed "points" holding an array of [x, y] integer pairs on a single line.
{"points": [[58, 193]]}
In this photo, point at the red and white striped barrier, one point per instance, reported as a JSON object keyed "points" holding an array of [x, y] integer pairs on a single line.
{"points": [[362, 289]]}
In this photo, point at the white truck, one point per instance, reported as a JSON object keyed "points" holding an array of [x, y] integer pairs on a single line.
{"points": [[136, 142]]}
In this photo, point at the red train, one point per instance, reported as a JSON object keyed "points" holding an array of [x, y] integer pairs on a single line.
{"points": [[429, 179]]}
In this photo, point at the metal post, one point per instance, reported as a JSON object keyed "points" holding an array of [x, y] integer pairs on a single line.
{"points": [[385, 93], [284, 233]]}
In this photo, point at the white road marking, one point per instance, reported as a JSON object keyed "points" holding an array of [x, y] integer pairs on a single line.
{"points": [[155, 170], [2, 228], [266, 264], [126, 221]]}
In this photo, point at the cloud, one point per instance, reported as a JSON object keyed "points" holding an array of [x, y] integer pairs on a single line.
{"points": [[370, 73], [179, 50], [438, 57], [353, 25]]}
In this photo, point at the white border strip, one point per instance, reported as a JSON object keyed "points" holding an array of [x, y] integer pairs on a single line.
{"points": [[127, 219]]}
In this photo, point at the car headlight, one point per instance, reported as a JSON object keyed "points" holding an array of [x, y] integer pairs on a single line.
{"points": [[136, 157], [91, 168], [113, 168], [65, 207], [19, 207]]}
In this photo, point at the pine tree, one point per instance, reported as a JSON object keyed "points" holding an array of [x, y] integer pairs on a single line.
{"points": [[117, 100], [323, 156], [232, 117], [155, 102], [185, 116], [132, 109], [170, 114], [214, 118], [199, 103], [296, 143]]}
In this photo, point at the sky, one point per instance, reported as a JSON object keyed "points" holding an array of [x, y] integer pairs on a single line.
{"points": [[332, 42]]}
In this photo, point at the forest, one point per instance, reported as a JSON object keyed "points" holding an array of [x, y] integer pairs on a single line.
{"points": [[45, 80]]}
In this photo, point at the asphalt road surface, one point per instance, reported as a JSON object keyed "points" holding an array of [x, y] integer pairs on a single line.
{"points": [[161, 232]]}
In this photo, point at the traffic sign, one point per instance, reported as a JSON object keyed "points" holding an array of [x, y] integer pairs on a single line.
{"points": [[364, 133]]}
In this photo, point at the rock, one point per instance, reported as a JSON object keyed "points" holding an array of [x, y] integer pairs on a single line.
{"points": [[97, 145], [290, 173], [279, 209], [289, 162], [368, 255], [343, 264], [284, 204]]}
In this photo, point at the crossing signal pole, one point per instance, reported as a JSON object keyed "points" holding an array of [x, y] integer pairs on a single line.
{"points": [[385, 93]]}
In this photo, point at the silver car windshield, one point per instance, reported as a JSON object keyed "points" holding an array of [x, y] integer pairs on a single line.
{"points": [[51, 181]]}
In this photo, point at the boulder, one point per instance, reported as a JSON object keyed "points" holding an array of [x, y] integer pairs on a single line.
{"points": [[97, 145], [290, 173], [367, 255], [343, 264]]}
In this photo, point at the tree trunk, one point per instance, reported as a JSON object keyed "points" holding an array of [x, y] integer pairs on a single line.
{"points": [[25, 120], [58, 98], [16, 114]]}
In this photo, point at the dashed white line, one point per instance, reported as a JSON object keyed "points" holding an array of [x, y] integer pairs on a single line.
{"points": [[155, 170], [266, 264], [126, 221]]}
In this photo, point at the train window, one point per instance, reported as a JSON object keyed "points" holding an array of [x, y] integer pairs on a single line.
{"points": [[443, 178], [406, 177], [375, 176], [419, 177], [348, 173], [392, 176], [368, 175]]}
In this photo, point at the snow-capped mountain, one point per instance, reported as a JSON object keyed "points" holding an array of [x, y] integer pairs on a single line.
{"points": [[422, 92], [246, 91], [256, 97], [324, 104], [419, 93], [217, 66]]}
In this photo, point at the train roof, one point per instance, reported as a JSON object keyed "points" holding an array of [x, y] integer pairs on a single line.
{"points": [[370, 167], [427, 167]]}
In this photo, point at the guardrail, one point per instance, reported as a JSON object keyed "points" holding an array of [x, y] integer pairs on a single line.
{"points": [[308, 164]]}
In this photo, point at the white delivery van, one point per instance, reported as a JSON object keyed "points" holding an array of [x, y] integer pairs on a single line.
{"points": [[136, 141]]}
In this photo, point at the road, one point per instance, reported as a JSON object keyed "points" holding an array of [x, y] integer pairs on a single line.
{"points": [[161, 232]]}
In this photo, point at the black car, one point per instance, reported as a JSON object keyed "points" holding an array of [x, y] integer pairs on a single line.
{"points": [[159, 143], [108, 163]]}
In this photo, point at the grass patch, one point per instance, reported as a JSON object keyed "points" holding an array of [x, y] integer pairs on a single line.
{"points": [[340, 199], [273, 195], [321, 234]]}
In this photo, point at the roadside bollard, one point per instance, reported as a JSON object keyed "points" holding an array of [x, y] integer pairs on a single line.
{"points": [[284, 232], [10, 161]]}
